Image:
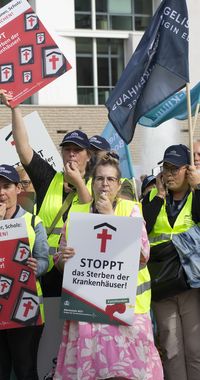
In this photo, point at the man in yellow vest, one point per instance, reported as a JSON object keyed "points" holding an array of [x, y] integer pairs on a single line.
{"points": [[170, 209], [53, 188], [19, 346]]}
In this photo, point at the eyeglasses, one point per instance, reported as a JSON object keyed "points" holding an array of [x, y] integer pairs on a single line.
{"points": [[172, 170], [109, 180], [25, 183]]}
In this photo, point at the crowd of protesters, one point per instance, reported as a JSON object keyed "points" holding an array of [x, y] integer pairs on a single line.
{"points": [[170, 202]]}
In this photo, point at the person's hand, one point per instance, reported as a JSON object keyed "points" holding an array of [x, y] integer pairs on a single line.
{"points": [[72, 174], [2, 210], [104, 205], [32, 263], [160, 186], [193, 176], [66, 254], [5, 97]]}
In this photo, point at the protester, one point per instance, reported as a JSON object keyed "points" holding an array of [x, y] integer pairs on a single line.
{"points": [[27, 197], [53, 188], [196, 152], [25, 181], [100, 351], [148, 183], [19, 346], [171, 209], [99, 146]]}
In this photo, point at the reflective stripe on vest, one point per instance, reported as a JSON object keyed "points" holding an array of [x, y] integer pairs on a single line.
{"points": [[143, 287], [31, 238], [160, 237], [162, 230], [124, 208]]}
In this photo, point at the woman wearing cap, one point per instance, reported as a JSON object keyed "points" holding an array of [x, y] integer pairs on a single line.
{"points": [[53, 188], [171, 209], [99, 351]]}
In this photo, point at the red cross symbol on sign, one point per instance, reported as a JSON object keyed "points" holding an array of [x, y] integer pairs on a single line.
{"points": [[3, 286], [6, 73], [53, 60], [104, 236], [31, 20], [27, 307], [22, 252]]}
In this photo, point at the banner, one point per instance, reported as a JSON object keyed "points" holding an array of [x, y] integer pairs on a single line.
{"points": [[100, 281], [29, 57], [39, 139], [121, 148], [19, 302], [173, 107], [157, 69]]}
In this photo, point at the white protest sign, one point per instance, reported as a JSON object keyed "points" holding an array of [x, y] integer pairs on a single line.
{"points": [[100, 281], [39, 139]]}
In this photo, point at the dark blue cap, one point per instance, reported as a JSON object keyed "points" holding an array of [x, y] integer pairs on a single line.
{"points": [[76, 137], [10, 173], [146, 181], [177, 155], [100, 143]]}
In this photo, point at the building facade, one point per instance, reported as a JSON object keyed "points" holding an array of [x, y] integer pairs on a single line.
{"points": [[98, 38]]}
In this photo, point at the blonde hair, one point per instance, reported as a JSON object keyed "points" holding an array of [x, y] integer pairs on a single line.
{"points": [[111, 159]]}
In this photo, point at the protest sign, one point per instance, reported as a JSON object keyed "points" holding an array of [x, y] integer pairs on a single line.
{"points": [[39, 138], [29, 57], [100, 281], [19, 302]]}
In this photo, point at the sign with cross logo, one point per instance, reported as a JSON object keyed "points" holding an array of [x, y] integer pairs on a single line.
{"points": [[100, 281], [29, 57], [19, 301]]}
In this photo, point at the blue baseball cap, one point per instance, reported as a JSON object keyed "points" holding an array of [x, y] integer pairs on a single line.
{"points": [[177, 155], [100, 143], [76, 137], [146, 182], [10, 173]]}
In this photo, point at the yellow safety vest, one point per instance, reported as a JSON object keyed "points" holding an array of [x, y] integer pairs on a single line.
{"points": [[143, 297], [51, 204], [162, 231], [31, 238]]}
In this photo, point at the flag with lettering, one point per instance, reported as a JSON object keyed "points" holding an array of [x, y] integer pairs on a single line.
{"points": [[173, 107], [157, 69], [121, 148]]}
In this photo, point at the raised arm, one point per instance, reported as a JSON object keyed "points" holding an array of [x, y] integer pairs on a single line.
{"points": [[24, 150], [20, 135]]}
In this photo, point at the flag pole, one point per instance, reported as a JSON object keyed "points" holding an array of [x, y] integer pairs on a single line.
{"points": [[195, 117], [190, 123]]}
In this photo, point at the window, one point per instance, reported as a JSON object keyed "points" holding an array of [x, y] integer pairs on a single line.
{"points": [[4, 2], [114, 14], [123, 15], [84, 56], [83, 18], [97, 73]]}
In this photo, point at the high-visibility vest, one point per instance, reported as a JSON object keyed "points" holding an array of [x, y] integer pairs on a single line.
{"points": [[124, 208], [51, 204], [31, 238], [162, 231]]}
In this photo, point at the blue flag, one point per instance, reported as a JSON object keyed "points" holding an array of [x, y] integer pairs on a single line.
{"points": [[173, 107], [121, 148], [157, 69]]}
